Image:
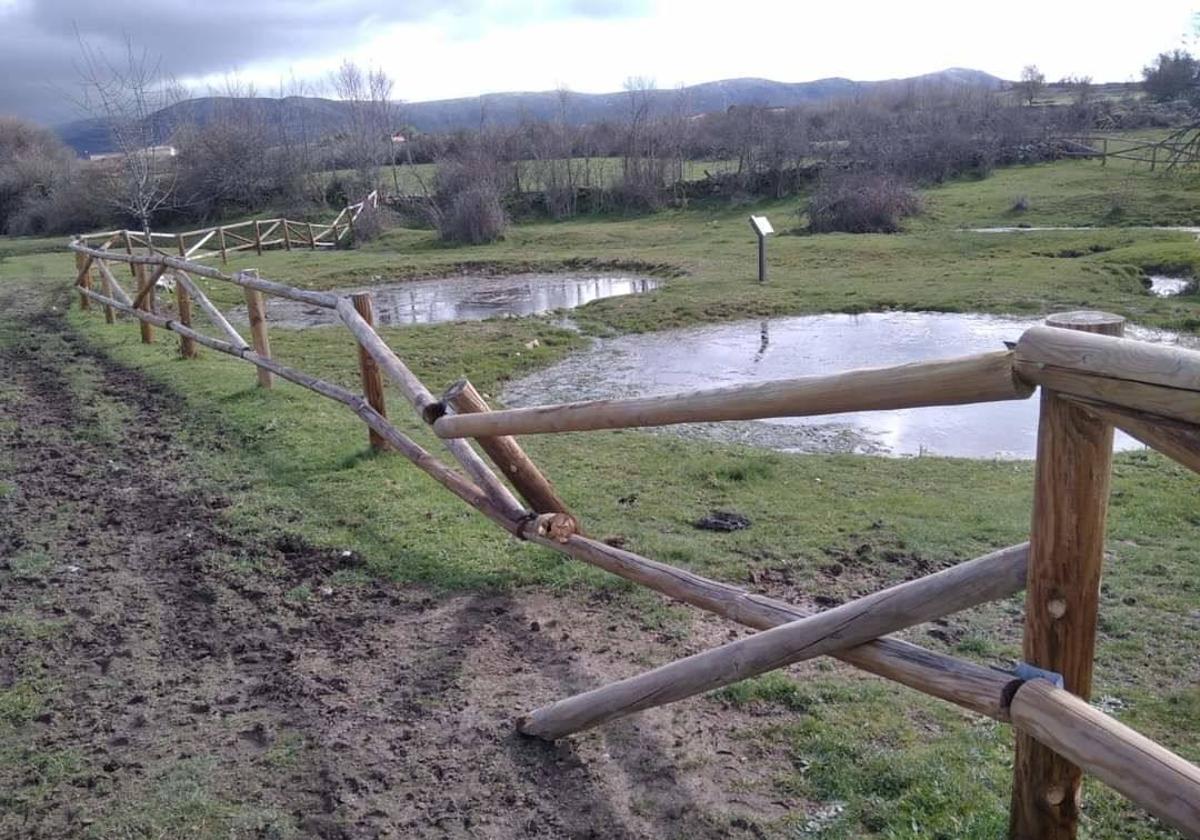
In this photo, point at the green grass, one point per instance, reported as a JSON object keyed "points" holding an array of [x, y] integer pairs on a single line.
{"points": [[899, 765]]}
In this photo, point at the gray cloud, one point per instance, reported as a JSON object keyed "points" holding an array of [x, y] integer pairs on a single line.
{"points": [[39, 50]]}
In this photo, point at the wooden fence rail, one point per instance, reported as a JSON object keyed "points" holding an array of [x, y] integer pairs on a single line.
{"points": [[1090, 383]]}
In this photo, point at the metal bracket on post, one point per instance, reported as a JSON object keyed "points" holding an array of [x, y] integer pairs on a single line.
{"points": [[1025, 671]]}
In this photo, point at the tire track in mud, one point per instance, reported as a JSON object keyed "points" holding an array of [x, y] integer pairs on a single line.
{"points": [[368, 712]]}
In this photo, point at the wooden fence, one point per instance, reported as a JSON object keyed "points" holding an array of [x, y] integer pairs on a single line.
{"points": [[257, 235], [1091, 381], [1174, 151]]}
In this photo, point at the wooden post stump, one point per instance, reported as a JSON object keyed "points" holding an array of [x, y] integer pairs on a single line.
{"points": [[256, 310], [371, 378], [1070, 507]]}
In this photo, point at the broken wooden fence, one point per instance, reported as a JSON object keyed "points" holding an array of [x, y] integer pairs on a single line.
{"points": [[1091, 379], [257, 235]]}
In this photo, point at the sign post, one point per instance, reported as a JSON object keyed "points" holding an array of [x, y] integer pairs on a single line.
{"points": [[761, 227]]}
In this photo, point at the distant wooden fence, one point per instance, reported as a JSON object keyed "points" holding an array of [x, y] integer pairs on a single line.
{"points": [[1168, 153], [1092, 381], [257, 235]]}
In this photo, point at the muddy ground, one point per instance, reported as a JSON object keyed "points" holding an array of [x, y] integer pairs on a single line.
{"points": [[175, 679]]}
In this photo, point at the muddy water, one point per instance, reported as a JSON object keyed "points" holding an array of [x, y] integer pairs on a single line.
{"points": [[746, 352], [466, 298], [1161, 286]]}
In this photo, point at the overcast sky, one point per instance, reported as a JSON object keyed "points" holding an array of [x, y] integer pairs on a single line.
{"points": [[445, 48]]}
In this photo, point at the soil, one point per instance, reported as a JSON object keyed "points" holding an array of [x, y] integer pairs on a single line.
{"points": [[319, 709]]}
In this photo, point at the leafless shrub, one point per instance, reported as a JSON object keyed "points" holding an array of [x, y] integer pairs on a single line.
{"points": [[373, 222], [861, 202], [34, 163], [467, 207]]}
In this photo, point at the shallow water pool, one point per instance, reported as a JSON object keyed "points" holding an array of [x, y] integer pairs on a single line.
{"points": [[747, 352]]}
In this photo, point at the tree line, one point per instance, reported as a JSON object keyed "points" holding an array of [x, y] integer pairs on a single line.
{"points": [[248, 154]]}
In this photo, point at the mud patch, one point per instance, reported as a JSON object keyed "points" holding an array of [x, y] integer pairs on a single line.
{"points": [[160, 653]]}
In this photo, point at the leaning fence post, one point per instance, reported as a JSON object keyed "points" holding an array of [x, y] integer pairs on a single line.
{"points": [[371, 378], [146, 301], [256, 311], [83, 271], [1062, 596], [507, 454]]}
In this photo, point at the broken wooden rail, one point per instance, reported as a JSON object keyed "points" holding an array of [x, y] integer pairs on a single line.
{"points": [[1090, 383]]}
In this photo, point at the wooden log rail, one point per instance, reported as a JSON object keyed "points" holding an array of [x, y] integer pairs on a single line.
{"points": [[1150, 391], [987, 377]]}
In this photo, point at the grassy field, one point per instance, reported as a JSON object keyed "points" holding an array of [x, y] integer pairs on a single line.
{"points": [[873, 759]]}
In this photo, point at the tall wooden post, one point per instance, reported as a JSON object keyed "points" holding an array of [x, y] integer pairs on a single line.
{"points": [[371, 378], [258, 237], [256, 309], [312, 238], [1070, 507], [287, 236], [183, 302], [85, 279], [146, 303], [221, 245]]}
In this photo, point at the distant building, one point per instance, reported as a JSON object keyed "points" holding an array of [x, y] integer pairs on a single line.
{"points": [[399, 138], [152, 151]]}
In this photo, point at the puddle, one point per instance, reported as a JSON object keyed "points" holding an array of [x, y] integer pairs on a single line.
{"points": [[1038, 228], [745, 352], [465, 298], [1162, 286]]}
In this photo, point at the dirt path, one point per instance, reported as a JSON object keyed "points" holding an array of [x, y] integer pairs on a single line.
{"points": [[161, 676]]}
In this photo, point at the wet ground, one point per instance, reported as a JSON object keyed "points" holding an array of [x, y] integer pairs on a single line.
{"points": [[466, 298], [161, 678], [746, 352]]}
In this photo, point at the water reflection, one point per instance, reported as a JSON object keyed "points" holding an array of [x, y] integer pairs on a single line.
{"points": [[707, 357], [470, 298]]}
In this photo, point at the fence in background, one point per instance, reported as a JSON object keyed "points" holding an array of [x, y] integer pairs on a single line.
{"points": [[1091, 381], [1175, 151], [257, 235]]}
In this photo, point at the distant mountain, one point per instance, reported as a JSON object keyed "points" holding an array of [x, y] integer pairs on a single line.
{"points": [[324, 116]]}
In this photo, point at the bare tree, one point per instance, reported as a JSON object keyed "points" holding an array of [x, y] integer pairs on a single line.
{"points": [[132, 96], [371, 118], [1031, 83]]}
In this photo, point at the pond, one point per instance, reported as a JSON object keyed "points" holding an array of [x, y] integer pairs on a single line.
{"points": [[747, 352], [1162, 286], [465, 298]]}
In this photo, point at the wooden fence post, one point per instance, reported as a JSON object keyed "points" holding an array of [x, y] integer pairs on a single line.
{"points": [[258, 237], [85, 279], [183, 302], [221, 244], [287, 236], [1070, 507], [1153, 157], [146, 303], [312, 239], [1104, 157], [372, 380], [257, 312]]}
